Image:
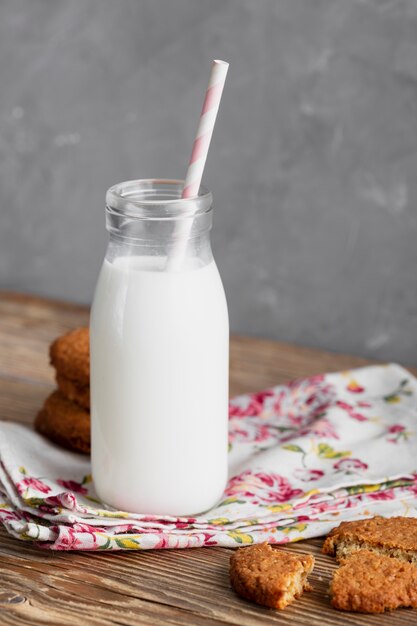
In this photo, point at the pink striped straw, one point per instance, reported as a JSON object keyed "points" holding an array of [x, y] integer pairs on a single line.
{"points": [[199, 152]]}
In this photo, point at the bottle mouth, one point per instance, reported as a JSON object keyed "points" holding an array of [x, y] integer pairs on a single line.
{"points": [[156, 199]]}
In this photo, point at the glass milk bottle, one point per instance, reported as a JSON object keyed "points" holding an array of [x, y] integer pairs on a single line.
{"points": [[159, 355]]}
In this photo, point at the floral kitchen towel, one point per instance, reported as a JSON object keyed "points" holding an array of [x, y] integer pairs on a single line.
{"points": [[303, 457]]}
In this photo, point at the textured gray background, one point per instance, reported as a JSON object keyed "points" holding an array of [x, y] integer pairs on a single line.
{"points": [[313, 163]]}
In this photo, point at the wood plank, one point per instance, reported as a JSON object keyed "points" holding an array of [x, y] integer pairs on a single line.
{"points": [[162, 587], [20, 400], [28, 325]]}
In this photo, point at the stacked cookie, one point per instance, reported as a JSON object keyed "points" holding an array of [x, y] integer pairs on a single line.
{"points": [[65, 415], [377, 564]]}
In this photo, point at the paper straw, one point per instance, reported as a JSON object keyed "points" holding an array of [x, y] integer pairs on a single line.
{"points": [[199, 155]]}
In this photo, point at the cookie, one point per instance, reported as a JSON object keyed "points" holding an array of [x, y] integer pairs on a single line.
{"points": [[393, 536], [80, 394], [65, 423], [70, 355], [273, 578], [367, 582]]}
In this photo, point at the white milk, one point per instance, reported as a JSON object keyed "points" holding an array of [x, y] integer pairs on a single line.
{"points": [[159, 386]]}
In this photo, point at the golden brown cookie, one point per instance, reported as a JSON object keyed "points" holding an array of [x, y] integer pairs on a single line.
{"points": [[367, 582], [273, 578], [70, 355], [65, 423], [80, 394], [393, 536]]}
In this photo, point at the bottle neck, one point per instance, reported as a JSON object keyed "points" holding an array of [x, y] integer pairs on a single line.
{"points": [[150, 218], [197, 252]]}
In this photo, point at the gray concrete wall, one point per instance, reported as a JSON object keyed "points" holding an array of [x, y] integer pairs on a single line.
{"points": [[313, 162]]}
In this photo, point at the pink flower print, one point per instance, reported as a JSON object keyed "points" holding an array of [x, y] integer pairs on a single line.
{"points": [[350, 410], [396, 428], [321, 507], [258, 399], [301, 402], [347, 465], [295, 420], [388, 494], [282, 540], [254, 406], [51, 501], [354, 387], [67, 540], [71, 485], [163, 542], [8, 515], [81, 527], [278, 488], [263, 433], [412, 488], [261, 487], [209, 539], [310, 384], [253, 433], [239, 434], [32, 483], [321, 428], [398, 432], [308, 475], [236, 411]]}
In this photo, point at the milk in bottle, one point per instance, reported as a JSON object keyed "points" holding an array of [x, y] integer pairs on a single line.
{"points": [[159, 357]]}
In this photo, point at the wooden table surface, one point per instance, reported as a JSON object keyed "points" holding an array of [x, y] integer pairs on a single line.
{"points": [[161, 587]]}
